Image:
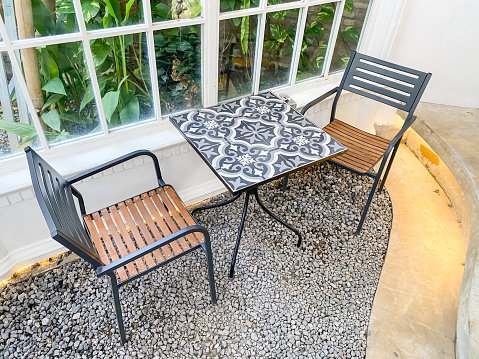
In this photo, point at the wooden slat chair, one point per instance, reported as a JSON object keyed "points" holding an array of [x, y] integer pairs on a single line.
{"points": [[123, 241], [383, 81]]}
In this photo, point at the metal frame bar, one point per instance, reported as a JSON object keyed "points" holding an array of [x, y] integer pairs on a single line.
{"points": [[248, 192]]}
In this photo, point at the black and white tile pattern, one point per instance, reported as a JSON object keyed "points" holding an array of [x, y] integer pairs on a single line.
{"points": [[254, 139]]}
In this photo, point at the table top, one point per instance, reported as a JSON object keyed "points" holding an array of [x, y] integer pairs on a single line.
{"points": [[255, 139]]}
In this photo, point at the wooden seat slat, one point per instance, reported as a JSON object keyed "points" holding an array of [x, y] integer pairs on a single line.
{"points": [[364, 149], [351, 129], [96, 240], [128, 226], [180, 221], [110, 248], [171, 224], [126, 237], [140, 241], [183, 211], [117, 240], [161, 223], [376, 148], [143, 228], [151, 224]]}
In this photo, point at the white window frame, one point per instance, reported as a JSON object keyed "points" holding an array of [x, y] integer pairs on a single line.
{"points": [[107, 140]]}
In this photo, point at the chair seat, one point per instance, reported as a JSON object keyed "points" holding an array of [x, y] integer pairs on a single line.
{"points": [[125, 227], [364, 149]]}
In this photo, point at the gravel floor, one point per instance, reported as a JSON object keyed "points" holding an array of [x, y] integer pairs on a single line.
{"points": [[284, 302]]}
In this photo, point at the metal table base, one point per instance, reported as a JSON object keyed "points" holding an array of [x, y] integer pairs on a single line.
{"points": [[249, 192]]}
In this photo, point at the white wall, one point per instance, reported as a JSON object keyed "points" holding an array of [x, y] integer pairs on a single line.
{"points": [[442, 37]]}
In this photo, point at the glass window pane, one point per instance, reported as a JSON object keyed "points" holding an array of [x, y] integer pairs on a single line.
{"points": [[162, 10], [351, 25], [232, 5], [178, 62], [25, 19], [123, 74], [16, 126], [58, 82], [236, 57], [276, 2], [279, 37], [315, 40], [99, 15]]}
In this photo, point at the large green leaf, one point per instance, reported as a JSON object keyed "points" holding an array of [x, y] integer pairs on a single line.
{"points": [[127, 11], [195, 7], [19, 129], [161, 10], [278, 32], [110, 101], [42, 19], [350, 34], [48, 65], [99, 50], [244, 34], [74, 116], [55, 86], [52, 119], [64, 7], [89, 94], [52, 99], [114, 9], [349, 6], [326, 13], [316, 29], [271, 45], [90, 9], [131, 112]]}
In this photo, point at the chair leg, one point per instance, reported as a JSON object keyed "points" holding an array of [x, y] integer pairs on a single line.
{"points": [[211, 274], [116, 300], [368, 203], [383, 182], [285, 182]]}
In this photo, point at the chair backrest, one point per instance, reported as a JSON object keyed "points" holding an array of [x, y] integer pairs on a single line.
{"points": [[54, 195], [383, 81]]}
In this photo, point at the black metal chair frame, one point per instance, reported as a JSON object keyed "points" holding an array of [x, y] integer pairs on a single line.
{"points": [[368, 76], [55, 197]]}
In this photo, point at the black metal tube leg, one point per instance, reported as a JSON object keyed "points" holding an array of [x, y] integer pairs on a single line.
{"points": [[300, 239], [217, 205], [285, 182], [240, 231], [116, 300], [383, 182], [211, 274], [368, 203]]}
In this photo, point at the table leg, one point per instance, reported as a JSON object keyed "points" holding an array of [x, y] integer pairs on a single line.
{"points": [[217, 204], [276, 218], [240, 231]]}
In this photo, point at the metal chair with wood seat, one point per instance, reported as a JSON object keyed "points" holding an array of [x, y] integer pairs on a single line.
{"points": [[123, 241], [385, 82]]}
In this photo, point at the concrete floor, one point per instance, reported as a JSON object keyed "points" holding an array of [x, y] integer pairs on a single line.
{"points": [[415, 308]]}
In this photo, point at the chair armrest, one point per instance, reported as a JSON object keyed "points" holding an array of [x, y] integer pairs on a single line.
{"points": [[399, 135], [117, 161], [150, 248], [318, 99]]}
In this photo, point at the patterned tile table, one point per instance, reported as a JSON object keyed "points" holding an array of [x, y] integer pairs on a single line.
{"points": [[253, 140]]}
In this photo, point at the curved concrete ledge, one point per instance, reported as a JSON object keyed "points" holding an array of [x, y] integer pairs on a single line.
{"points": [[453, 133]]}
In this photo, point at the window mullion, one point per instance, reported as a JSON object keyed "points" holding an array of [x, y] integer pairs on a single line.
{"points": [[210, 33], [259, 48], [298, 41], [91, 65], [334, 36], [155, 92]]}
